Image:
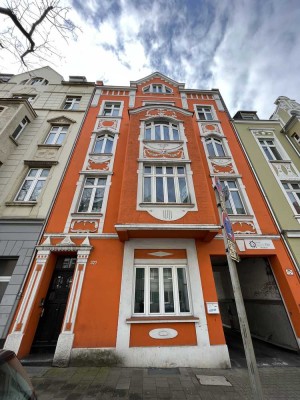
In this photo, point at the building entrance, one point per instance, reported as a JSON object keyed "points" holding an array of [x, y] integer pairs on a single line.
{"points": [[54, 307], [266, 313]]}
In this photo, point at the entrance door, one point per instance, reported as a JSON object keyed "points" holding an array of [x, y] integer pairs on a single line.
{"points": [[51, 320]]}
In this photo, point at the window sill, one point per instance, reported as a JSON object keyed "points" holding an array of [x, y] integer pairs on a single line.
{"points": [[21, 203], [161, 319], [208, 120], [101, 154], [86, 214], [220, 157], [163, 205], [163, 141], [14, 140], [49, 146], [110, 116], [243, 216]]}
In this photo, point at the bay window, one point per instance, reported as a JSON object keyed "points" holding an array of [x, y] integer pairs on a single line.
{"points": [[161, 130], [165, 184], [161, 290]]}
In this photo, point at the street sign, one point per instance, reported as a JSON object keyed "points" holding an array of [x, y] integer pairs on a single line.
{"points": [[232, 251], [227, 226]]}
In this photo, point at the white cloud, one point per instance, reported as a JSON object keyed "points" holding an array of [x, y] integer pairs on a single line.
{"points": [[247, 49]]}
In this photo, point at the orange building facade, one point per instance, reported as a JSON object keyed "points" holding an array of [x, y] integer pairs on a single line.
{"points": [[131, 267]]}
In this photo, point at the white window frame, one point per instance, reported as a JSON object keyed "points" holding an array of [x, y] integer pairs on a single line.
{"points": [[147, 300], [94, 187], [106, 138], [73, 102], [20, 128], [263, 144], [153, 182], [112, 105], [152, 126], [154, 88], [249, 116], [34, 180], [213, 141], [62, 130], [293, 192], [6, 278], [205, 112], [296, 137], [231, 200]]}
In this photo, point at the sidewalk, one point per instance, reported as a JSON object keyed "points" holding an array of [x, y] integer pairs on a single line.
{"points": [[82, 383]]}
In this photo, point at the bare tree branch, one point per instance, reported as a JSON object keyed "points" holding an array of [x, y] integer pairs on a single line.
{"points": [[36, 22]]}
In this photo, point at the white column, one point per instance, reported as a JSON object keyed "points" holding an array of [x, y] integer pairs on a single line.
{"points": [[14, 339]]}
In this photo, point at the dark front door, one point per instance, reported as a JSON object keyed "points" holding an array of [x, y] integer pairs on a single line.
{"points": [[52, 316]]}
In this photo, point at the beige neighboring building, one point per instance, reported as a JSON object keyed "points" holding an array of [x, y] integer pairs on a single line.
{"points": [[40, 118], [273, 149]]}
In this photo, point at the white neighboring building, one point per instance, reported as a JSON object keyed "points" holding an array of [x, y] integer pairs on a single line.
{"points": [[40, 118]]}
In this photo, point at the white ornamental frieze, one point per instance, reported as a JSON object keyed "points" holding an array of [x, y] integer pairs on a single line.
{"points": [[163, 150], [100, 163], [104, 123], [208, 128], [161, 112], [284, 170]]}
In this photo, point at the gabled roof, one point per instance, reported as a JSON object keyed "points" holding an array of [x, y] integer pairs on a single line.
{"points": [[157, 75], [45, 72]]}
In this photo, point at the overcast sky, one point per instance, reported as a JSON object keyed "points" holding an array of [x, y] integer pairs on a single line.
{"points": [[247, 49]]}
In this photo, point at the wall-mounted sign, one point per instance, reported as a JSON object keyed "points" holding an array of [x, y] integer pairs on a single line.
{"points": [[228, 226], [212, 307], [259, 244]]}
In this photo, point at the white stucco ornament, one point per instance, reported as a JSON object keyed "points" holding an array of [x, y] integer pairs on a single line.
{"points": [[163, 333]]}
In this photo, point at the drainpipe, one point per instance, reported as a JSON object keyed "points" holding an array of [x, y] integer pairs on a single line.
{"points": [[12, 314], [262, 190]]}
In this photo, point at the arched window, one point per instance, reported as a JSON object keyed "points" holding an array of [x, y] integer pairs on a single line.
{"points": [[104, 144], [161, 130], [215, 147], [35, 81]]}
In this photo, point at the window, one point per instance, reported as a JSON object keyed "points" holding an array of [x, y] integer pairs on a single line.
{"points": [[249, 116], [56, 135], [234, 204], [104, 144], [161, 290], [28, 97], [270, 150], [215, 147], [32, 184], [205, 113], [157, 88], [293, 191], [72, 103], [111, 109], [34, 81], [296, 138], [1, 109], [161, 130], [92, 195], [7, 267], [163, 184], [19, 129]]}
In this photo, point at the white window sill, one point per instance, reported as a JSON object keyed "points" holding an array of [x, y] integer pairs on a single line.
{"points": [[49, 146], [208, 120], [101, 154], [162, 319], [163, 141], [163, 205], [86, 214], [21, 203], [110, 116]]}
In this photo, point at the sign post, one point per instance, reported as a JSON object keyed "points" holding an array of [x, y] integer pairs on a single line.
{"points": [[232, 257]]}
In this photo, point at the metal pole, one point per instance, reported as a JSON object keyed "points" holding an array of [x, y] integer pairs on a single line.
{"points": [[255, 383]]}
